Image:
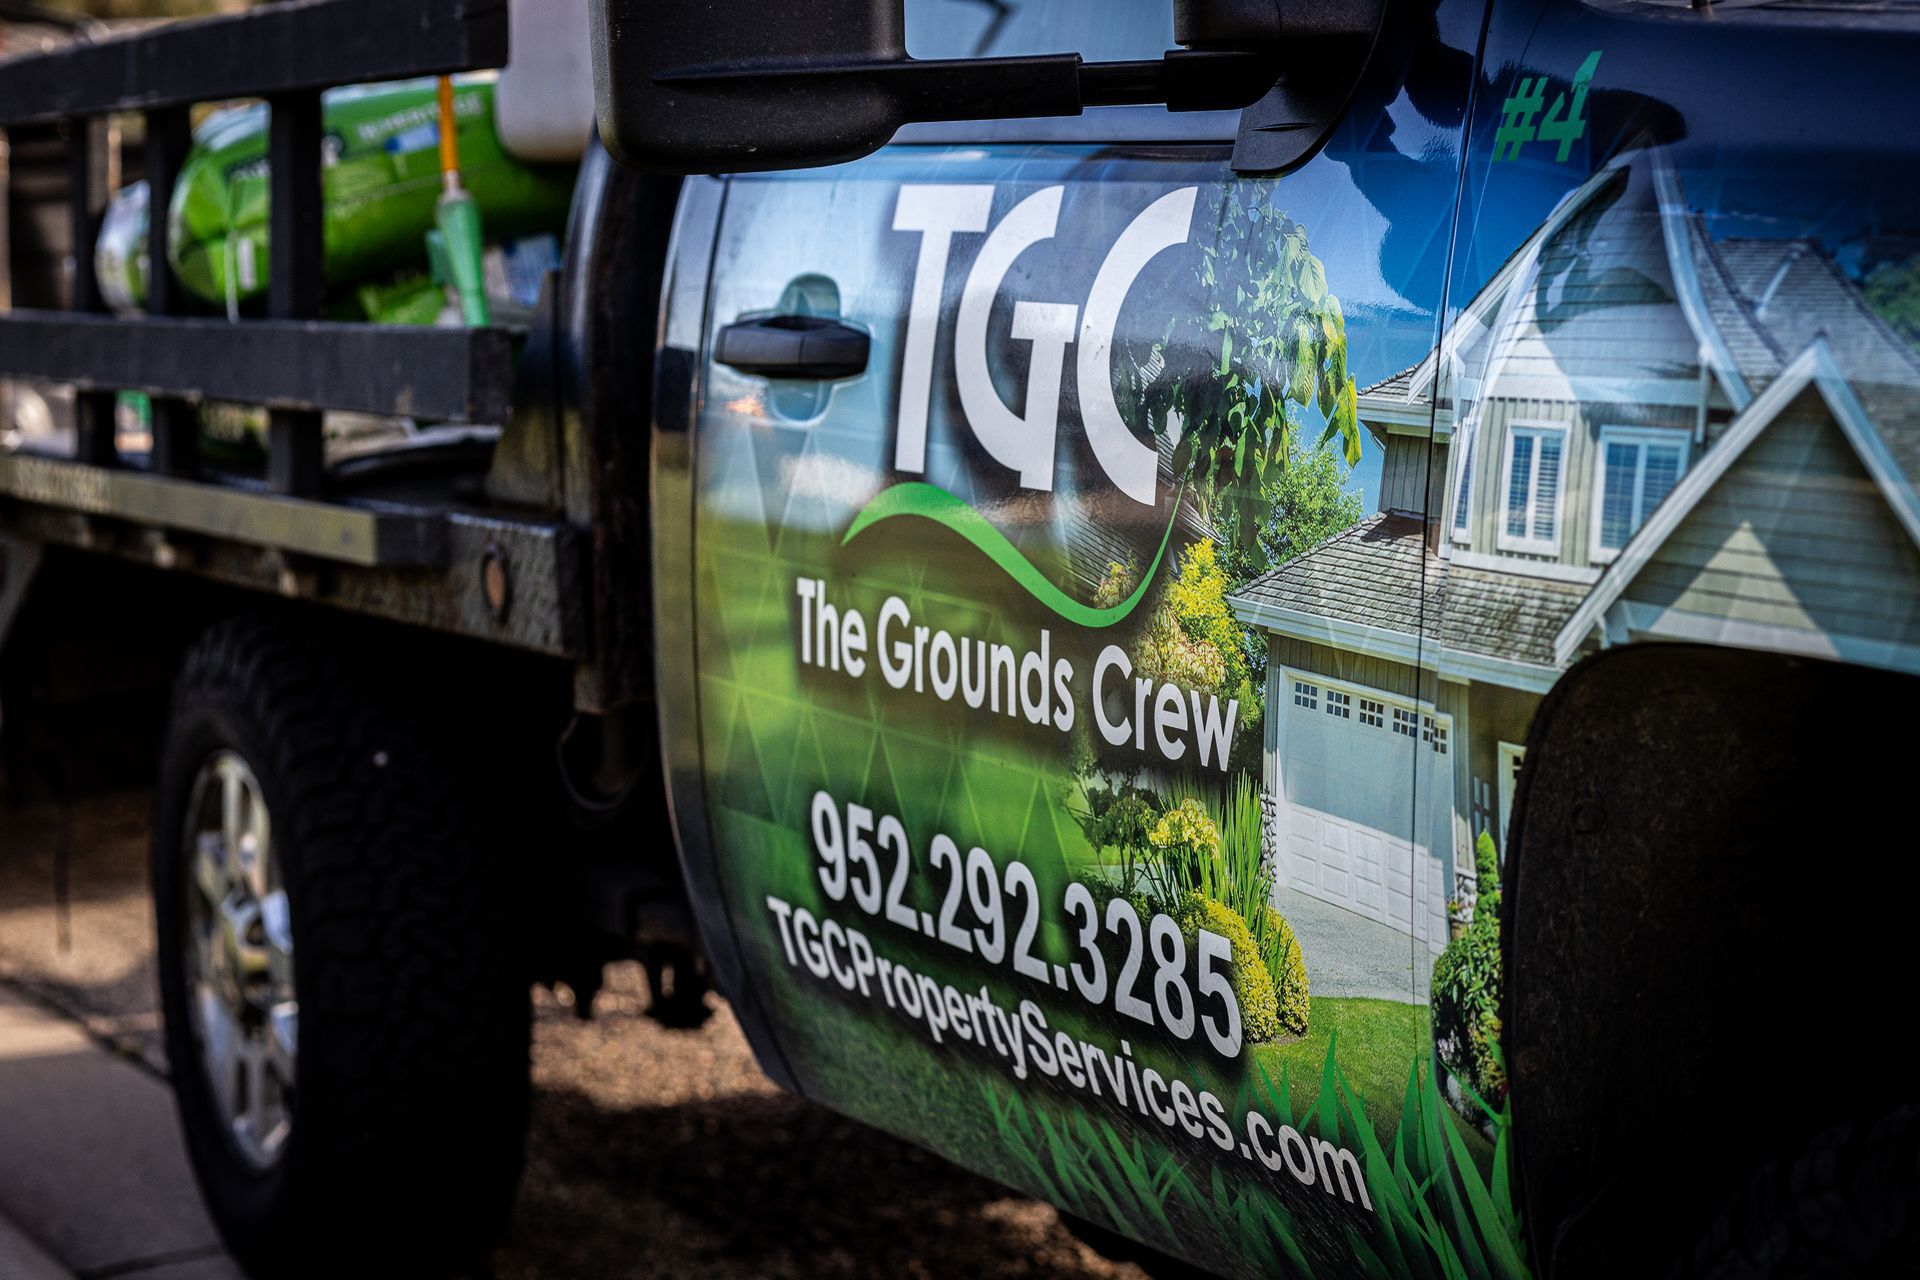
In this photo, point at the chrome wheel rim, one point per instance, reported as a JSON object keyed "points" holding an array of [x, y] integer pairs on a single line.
{"points": [[239, 960]]}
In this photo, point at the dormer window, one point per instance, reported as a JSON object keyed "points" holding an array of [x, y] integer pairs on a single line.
{"points": [[1638, 469], [1530, 488]]}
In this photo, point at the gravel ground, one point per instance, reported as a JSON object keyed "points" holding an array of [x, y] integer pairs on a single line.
{"points": [[652, 1152]]}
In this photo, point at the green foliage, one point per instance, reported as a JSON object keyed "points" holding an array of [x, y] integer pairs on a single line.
{"points": [[1120, 818], [1892, 289], [1193, 640], [1116, 585], [1486, 869], [1270, 344], [1466, 990], [1085, 1166], [1199, 847], [1174, 855], [1252, 984], [1486, 862], [1246, 880], [1243, 881], [1186, 833], [1197, 598], [1293, 508], [1435, 1216], [1165, 650], [1287, 966]]}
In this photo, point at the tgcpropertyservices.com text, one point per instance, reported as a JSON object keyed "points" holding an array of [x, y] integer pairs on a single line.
{"points": [[1021, 1038]]}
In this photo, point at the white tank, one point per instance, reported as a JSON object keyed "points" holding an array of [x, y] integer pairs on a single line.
{"points": [[543, 105]]}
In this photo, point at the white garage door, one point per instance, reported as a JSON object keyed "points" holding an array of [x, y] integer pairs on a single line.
{"points": [[1346, 757]]}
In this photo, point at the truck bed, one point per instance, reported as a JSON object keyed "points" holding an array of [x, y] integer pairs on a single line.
{"points": [[479, 546]]}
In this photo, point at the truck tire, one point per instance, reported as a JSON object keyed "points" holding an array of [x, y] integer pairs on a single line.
{"points": [[1846, 1206], [355, 1104]]}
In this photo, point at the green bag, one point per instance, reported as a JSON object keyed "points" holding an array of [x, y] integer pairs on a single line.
{"points": [[381, 180]]}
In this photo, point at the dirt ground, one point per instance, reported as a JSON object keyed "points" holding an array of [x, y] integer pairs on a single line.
{"points": [[652, 1152]]}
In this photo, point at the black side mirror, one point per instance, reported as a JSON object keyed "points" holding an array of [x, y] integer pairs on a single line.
{"points": [[718, 86]]}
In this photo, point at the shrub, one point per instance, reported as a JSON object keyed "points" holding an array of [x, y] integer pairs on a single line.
{"points": [[1246, 880], [1186, 845], [1105, 891], [1287, 967], [1198, 598], [1486, 866], [1241, 880], [1252, 985], [1187, 828], [1466, 989], [1116, 584], [1486, 862]]}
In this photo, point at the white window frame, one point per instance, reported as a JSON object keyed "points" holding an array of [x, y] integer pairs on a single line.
{"points": [[1642, 436], [1460, 492], [1529, 544]]}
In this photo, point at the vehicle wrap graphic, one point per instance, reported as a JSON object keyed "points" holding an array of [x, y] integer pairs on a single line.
{"points": [[984, 736], [1111, 703], [931, 502]]}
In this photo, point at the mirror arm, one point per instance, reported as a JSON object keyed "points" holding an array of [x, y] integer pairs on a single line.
{"points": [[959, 89], [1012, 88], [724, 86], [1185, 80]]}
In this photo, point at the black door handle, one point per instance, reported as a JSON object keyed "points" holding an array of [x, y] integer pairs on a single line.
{"points": [[793, 347]]}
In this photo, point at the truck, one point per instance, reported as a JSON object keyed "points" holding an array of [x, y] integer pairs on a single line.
{"points": [[1284, 623]]}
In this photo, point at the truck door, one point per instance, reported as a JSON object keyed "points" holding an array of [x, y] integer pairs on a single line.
{"points": [[1059, 524]]}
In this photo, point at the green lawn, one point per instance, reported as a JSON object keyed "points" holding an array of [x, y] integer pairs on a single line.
{"points": [[1378, 1041]]}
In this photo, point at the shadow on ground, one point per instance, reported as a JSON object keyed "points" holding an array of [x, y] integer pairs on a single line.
{"points": [[768, 1186], [652, 1153]]}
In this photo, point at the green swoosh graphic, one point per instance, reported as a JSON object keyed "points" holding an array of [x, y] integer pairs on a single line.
{"points": [[931, 502]]}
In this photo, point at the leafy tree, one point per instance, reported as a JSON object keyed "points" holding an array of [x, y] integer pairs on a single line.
{"points": [[1299, 505], [1241, 374], [1193, 640]]}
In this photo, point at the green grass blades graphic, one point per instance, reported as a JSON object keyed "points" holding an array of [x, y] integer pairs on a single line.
{"points": [[1436, 1217]]}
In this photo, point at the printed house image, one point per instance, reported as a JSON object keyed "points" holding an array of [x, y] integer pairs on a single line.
{"points": [[1749, 482]]}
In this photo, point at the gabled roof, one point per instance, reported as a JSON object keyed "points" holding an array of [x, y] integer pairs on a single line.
{"points": [[1099, 527], [1414, 384], [1728, 315], [1691, 287], [1816, 367], [1747, 304]]}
